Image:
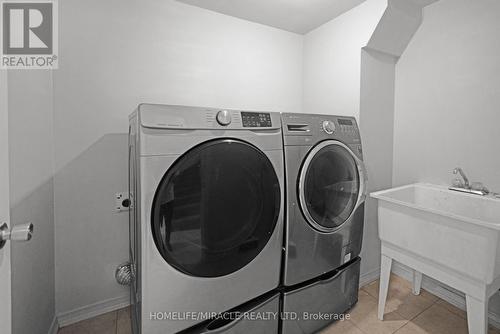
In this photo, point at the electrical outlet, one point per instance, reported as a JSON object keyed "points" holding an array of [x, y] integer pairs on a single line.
{"points": [[123, 202]]}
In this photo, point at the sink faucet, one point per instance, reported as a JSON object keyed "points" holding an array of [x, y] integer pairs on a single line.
{"points": [[459, 170], [475, 188]]}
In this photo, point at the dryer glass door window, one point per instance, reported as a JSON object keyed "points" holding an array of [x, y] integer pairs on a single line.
{"points": [[216, 208], [329, 185]]}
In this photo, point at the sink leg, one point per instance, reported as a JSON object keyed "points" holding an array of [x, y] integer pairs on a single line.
{"points": [[417, 282], [385, 275], [477, 315]]}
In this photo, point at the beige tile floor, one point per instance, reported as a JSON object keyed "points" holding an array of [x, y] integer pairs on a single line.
{"points": [[404, 314], [116, 322]]}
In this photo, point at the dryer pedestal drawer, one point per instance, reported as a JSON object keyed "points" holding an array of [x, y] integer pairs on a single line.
{"points": [[309, 308], [258, 316]]}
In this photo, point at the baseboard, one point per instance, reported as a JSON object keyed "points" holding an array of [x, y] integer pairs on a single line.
{"points": [[92, 310], [452, 296], [54, 326], [369, 277]]}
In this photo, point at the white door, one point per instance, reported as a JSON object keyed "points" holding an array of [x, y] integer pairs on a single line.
{"points": [[5, 301]]}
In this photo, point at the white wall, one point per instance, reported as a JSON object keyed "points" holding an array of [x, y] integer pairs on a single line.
{"points": [[448, 96], [31, 155], [376, 125], [115, 55], [332, 60], [447, 100]]}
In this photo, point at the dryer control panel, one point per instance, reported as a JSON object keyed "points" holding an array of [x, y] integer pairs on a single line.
{"points": [[199, 118], [256, 119]]}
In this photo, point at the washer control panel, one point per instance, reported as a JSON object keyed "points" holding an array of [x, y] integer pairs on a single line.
{"points": [[346, 124], [256, 119]]}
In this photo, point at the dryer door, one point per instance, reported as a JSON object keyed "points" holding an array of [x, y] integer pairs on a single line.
{"points": [[331, 185], [216, 208]]}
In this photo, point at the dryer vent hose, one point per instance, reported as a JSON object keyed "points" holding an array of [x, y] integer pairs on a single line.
{"points": [[123, 274]]}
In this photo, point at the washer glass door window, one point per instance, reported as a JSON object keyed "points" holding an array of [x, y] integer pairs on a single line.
{"points": [[329, 185], [216, 208]]}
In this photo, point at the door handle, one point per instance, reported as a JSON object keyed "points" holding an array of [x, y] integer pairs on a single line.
{"points": [[22, 232]]}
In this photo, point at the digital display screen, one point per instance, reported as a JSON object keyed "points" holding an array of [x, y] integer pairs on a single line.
{"points": [[255, 119], [345, 121]]}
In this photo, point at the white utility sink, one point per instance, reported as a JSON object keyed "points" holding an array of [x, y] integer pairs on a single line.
{"points": [[448, 235]]}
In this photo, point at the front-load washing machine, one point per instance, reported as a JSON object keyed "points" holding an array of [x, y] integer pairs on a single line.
{"points": [[207, 223], [326, 190]]}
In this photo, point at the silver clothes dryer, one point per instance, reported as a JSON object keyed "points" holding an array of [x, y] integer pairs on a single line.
{"points": [[207, 224]]}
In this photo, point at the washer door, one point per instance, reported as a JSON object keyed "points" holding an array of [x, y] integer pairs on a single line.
{"points": [[331, 185], [216, 208]]}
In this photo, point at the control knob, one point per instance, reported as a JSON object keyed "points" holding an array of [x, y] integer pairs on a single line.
{"points": [[329, 127], [224, 117]]}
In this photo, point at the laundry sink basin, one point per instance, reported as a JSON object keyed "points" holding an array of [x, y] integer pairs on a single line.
{"points": [[455, 231], [447, 235]]}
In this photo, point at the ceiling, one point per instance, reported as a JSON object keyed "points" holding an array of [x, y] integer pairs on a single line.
{"points": [[299, 16]]}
